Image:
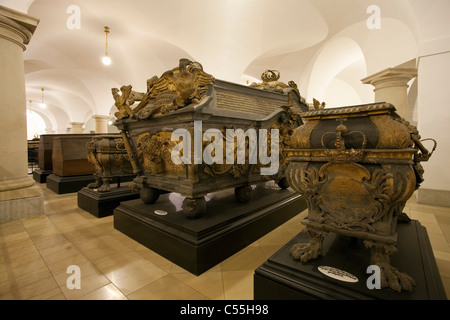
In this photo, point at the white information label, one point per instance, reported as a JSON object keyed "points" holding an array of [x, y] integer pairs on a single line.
{"points": [[337, 274]]}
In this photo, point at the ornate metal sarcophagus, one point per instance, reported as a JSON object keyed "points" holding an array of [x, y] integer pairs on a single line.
{"points": [[108, 156], [356, 166], [193, 135]]}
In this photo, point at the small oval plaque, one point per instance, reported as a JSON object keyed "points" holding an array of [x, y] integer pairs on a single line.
{"points": [[337, 274], [161, 212]]}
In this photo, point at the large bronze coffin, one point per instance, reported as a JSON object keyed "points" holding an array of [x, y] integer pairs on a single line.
{"points": [[109, 158], [177, 135], [356, 166]]}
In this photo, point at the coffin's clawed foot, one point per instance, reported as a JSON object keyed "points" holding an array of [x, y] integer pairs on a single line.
{"points": [[305, 251], [390, 277], [96, 184], [104, 188], [394, 279], [311, 250]]}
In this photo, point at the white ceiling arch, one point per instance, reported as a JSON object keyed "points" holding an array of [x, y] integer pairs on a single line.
{"points": [[53, 102], [234, 40], [19, 5], [49, 118], [341, 93], [393, 44], [55, 118], [61, 88], [334, 57], [364, 51]]}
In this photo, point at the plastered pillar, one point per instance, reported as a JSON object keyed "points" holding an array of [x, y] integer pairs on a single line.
{"points": [[101, 123], [391, 85], [77, 127], [19, 196]]}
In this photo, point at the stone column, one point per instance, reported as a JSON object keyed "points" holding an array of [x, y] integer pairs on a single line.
{"points": [[391, 86], [19, 196], [77, 127], [101, 123]]}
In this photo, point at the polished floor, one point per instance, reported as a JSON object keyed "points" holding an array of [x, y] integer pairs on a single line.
{"points": [[35, 254]]}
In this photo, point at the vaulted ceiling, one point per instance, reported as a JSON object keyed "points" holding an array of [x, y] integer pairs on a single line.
{"points": [[325, 46]]}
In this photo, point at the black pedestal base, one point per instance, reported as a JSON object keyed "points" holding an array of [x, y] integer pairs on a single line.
{"points": [[102, 204], [62, 185], [199, 244], [40, 175], [282, 277]]}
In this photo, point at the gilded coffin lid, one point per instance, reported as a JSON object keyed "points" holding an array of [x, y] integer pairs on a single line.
{"points": [[350, 111], [188, 89], [390, 144], [227, 99], [237, 100]]}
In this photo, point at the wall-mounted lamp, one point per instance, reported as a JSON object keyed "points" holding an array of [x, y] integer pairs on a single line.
{"points": [[42, 104], [106, 59]]}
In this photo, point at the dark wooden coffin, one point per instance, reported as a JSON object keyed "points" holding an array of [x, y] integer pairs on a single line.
{"points": [[33, 147], [46, 148], [69, 156]]}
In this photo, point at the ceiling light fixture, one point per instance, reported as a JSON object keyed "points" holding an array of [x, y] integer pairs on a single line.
{"points": [[42, 104], [106, 59]]}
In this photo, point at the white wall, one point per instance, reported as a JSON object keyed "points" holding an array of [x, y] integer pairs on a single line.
{"points": [[340, 93], [35, 125], [434, 122]]}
